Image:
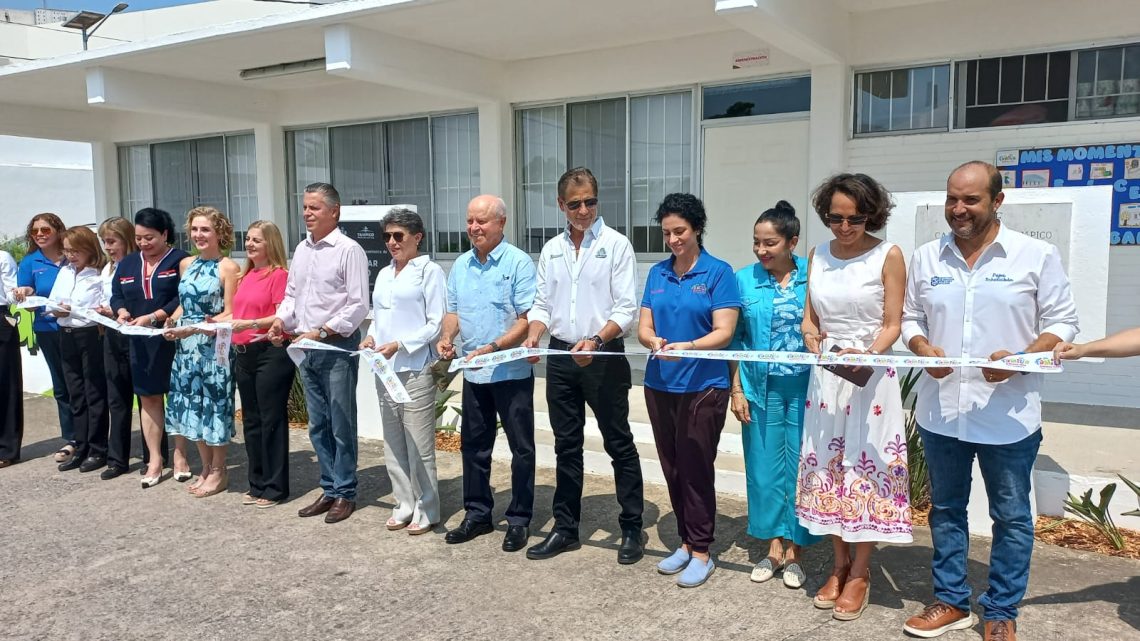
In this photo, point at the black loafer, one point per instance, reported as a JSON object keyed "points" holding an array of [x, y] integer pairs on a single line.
{"points": [[92, 463], [516, 537], [468, 530], [554, 544], [71, 464], [112, 472], [631, 549]]}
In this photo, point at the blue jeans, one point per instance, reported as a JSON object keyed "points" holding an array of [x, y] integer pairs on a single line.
{"points": [[330, 393], [49, 345], [1006, 471]]}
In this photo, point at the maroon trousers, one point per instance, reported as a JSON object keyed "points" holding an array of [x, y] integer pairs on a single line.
{"points": [[687, 429]]}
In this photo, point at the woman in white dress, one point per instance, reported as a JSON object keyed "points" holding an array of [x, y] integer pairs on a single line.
{"points": [[853, 480]]}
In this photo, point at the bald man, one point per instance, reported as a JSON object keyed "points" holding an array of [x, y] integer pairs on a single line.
{"points": [[489, 291]]}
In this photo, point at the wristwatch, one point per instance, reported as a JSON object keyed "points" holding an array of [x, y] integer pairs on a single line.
{"points": [[494, 346], [597, 340], [323, 333]]}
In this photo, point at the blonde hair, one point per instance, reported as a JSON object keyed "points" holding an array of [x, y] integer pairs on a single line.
{"points": [[274, 246], [222, 225], [82, 239], [123, 229]]}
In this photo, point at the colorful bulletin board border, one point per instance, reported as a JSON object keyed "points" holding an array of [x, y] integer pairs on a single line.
{"points": [[1117, 165]]}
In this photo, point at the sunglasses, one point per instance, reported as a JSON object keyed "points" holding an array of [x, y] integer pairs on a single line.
{"points": [[397, 235], [42, 231], [837, 220], [573, 205]]}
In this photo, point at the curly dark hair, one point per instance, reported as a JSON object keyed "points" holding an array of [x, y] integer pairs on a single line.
{"points": [[871, 198], [688, 207]]}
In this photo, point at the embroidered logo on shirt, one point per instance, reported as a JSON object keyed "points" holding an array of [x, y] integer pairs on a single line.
{"points": [[126, 280], [700, 288], [657, 291], [935, 281], [556, 255], [601, 253], [167, 274], [998, 278]]}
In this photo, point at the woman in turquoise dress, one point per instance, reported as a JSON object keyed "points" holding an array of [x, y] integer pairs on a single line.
{"points": [[768, 399], [200, 405]]}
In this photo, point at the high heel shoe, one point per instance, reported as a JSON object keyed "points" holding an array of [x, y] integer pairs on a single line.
{"points": [[151, 481], [853, 584], [182, 477], [831, 590]]}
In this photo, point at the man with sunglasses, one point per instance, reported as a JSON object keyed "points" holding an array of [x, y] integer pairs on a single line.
{"points": [[983, 290], [587, 299]]}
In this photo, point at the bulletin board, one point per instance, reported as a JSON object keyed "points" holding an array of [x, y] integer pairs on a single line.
{"points": [[1115, 165]]}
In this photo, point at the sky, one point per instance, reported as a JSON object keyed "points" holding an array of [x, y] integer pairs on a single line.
{"points": [[101, 6]]}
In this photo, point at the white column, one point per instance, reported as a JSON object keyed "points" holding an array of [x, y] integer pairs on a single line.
{"points": [[272, 190], [105, 171], [827, 139], [496, 155]]}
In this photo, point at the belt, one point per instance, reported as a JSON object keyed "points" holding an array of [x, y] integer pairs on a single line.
{"points": [[78, 330], [616, 345], [251, 348]]}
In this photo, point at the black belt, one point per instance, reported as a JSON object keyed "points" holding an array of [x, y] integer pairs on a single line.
{"points": [[616, 345], [253, 348], [79, 330]]}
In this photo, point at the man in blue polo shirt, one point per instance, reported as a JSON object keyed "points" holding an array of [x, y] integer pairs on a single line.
{"points": [[489, 291]]}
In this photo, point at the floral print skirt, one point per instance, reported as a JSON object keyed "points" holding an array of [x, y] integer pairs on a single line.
{"points": [[853, 479]]}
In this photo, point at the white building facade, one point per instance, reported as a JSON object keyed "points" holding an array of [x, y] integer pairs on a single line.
{"points": [[743, 102]]}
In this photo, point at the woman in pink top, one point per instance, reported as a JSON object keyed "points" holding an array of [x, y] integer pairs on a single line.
{"points": [[264, 373]]}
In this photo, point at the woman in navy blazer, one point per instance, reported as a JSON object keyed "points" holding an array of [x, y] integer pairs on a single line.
{"points": [[144, 292]]}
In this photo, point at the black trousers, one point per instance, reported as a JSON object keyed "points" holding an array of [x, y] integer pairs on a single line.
{"points": [[604, 386], [513, 402], [264, 376], [121, 403], [11, 390], [81, 358]]}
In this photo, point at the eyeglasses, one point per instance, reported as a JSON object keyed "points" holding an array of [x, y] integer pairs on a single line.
{"points": [[854, 221], [573, 205], [398, 235], [42, 231]]}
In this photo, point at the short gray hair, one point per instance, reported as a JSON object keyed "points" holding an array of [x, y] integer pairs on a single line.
{"points": [[499, 206], [403, 217], [325, 191]]}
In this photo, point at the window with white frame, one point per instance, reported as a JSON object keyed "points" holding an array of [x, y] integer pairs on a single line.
{"points": [[638, 147], [430, 162], [759, 98], [1108, 82], [176, 176], [912, 99], [1013, 90]]}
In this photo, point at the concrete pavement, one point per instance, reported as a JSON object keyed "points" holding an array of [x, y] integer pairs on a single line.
{"points": [[89, 559]]}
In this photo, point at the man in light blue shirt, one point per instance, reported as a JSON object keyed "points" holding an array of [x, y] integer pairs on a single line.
{"points": [[489, 291]]}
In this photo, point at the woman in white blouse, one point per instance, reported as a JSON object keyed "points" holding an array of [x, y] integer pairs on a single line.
{"points": [[408, 305], [80, 285]]}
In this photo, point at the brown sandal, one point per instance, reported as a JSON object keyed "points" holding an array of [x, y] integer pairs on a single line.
{"points": [[832, 589], [851, 588]]}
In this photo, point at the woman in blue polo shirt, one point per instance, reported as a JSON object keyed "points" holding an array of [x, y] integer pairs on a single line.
{"points": [[690, 302], [768, 399], [35, 277]]}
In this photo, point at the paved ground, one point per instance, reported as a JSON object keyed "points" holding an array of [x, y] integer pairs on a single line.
{"points": [[90, 559]]}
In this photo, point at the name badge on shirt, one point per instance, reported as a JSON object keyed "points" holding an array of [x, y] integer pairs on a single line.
{"points": [[167, 274]]}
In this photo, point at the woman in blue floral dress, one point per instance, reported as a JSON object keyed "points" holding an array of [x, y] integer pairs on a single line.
{"points": [[200, 405]]}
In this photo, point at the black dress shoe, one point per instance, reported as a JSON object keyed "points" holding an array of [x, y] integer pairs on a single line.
{"points": [[112, 472], [467, 530], [516, 537], [71, 464], [554, 544], [631, 549], [92, 463]]}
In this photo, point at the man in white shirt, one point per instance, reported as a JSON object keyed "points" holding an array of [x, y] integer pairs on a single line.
{"points": [[11, 369], [326, 299], [587, 299], [984, 291]]}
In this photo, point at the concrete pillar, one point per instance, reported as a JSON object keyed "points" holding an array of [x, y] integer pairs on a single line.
{"points": [[496, 155], [827, 139], [272, 187], [105, 171]]}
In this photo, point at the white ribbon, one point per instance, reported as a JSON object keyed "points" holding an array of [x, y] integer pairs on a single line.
{"points": [[376, 362], [1038, 362]]}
